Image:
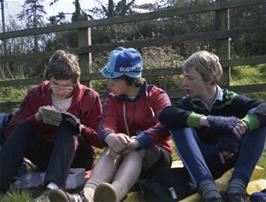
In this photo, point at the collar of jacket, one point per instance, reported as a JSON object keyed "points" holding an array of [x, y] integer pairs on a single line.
{"points": [[142, 91]]}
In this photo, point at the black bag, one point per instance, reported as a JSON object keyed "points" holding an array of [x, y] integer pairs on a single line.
{"points": [[173, 184]]}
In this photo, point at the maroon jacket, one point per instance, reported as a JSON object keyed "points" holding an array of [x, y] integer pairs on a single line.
{"points": [[86, 105], [140, 114]]}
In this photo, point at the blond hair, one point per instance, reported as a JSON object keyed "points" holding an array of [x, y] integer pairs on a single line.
{"points": [[63, 65], [206, 64]]}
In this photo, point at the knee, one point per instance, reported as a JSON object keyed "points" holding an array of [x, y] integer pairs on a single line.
{"points": [[259, 132], [182, 132], [23, 129], [177, 131], [184, 136], [24, 126], [135, 156], [66, 129]]}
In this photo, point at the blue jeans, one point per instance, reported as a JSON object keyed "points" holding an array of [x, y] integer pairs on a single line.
{"points": [[202, 160]]}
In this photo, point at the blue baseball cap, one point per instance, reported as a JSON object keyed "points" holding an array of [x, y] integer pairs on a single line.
{"points": [[123, 61]]}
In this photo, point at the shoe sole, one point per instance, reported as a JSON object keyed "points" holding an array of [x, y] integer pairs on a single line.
{"points": [[105, 193], [57, 195]]}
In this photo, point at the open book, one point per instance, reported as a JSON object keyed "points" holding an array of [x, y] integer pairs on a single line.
{"points": [[54, 117]]}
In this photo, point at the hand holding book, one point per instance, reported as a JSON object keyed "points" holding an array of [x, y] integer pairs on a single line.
{"points": [[50, 115]]}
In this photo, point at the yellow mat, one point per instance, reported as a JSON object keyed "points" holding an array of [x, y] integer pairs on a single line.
{"points": [[257, 183]]}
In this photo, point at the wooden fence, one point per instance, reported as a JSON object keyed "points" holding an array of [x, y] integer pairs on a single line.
{"points": [[221, 35]]}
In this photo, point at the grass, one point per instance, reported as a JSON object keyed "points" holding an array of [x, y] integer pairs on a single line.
{"points": [[240, 76], [17, 196], [243, 75], [11, 94]]}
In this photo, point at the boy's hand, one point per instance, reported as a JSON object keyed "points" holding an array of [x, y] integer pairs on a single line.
{"points": [[113, 154], [224, 155], [229, 143], [132, 145], [117, 141], [240, 128], [223, 124], [38, 114]]}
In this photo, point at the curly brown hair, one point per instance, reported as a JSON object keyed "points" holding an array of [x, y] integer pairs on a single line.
{"points": [[63, 65]]}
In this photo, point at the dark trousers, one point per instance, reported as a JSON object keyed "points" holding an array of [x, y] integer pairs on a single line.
{"points": [[56, 158], [202, 160]]}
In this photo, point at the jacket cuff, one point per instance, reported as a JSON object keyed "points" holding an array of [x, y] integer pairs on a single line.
{"points": [[251, 121], [144, 140], [103, 136], [193, 120]]}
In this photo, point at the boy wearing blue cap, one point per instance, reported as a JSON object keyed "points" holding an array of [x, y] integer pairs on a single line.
{"points": [[129, 127]]}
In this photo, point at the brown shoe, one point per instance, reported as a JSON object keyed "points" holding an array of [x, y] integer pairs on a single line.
{"points": [[105, 192], [58, 195]]}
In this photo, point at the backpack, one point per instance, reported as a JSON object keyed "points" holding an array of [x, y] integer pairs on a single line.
{"points": [[171, 185]]}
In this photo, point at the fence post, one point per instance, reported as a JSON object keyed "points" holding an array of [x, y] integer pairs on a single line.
{"points": [[85, 60], [222, 23]]}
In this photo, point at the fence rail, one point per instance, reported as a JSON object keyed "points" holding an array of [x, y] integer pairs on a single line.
{"points": [[217, 5], [145, 43]]}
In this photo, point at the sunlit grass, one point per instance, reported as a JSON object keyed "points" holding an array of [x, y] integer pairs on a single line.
{"points": [[247, 75], [17, 196]]}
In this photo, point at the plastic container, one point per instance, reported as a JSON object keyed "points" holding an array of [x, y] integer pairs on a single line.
{"points": [[75, 179]]}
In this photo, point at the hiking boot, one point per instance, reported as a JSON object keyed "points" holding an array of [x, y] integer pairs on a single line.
{"points": [[234, 197], [105, 192], [58, 195], [212, 200], [209, 191]]}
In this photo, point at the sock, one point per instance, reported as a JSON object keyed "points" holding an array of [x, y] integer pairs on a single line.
{"points": [[88, 193], [52, 185], [121, 189], [89, 188], [103, 171], [209, 189], [236, 185]]}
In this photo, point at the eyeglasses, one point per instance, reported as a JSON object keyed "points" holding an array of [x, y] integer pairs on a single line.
{"points": [[63, 88]]}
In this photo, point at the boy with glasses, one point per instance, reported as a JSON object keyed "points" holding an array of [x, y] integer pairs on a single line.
{"points": [[53, 149]]}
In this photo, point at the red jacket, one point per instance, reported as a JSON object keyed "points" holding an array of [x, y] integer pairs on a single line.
{"points": [[86, 105], [141, 115]]}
